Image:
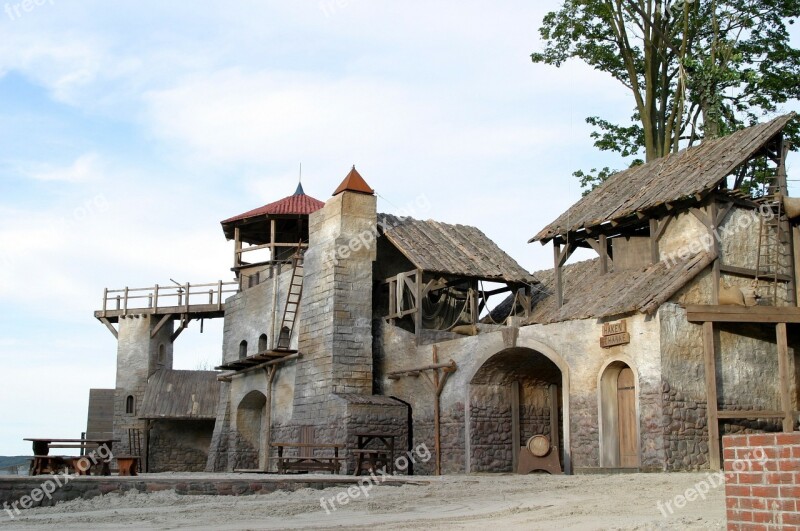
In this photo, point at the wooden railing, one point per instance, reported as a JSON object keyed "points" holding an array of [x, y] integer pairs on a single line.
{"points": [[171, 297]]}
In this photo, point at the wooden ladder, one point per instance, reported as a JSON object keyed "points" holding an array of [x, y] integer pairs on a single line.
{"points": [[293, 297], [773, 237], [135, 445]]}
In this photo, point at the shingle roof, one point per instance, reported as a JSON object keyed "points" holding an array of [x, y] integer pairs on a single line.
{"points": [[181, 395], [296, 204], [671, 178], [587, 294], [458, 250]]}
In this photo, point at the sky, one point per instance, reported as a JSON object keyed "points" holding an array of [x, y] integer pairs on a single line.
{"points": [[128, 130]]}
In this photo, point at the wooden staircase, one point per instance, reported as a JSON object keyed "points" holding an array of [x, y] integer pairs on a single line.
{"points": [[292, 307]]}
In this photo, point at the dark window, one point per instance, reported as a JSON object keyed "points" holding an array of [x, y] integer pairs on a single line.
{"points": [[262, 343], [130, 405], [242, 350]]}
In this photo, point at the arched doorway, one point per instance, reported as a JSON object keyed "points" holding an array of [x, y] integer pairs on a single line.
{"points": [[515, 394], [619, 416], [250, 429]]}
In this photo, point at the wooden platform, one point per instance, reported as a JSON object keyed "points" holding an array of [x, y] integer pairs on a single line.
{"points": [[743, 314]]}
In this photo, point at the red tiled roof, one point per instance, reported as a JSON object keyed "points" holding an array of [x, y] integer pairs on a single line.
{"points": [[297, 204], [354, 182]]}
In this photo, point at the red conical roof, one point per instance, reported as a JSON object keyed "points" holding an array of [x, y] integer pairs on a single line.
{"points": [[354, 182], [296, 204]]}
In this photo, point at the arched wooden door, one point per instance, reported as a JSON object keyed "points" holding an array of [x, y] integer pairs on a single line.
{"points": [[626, 410]]}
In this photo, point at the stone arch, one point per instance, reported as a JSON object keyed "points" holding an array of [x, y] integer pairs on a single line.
{"points": [[243, 350], [608, 410], [262, 343], [533, 348], [251, 444], [130, 405]]}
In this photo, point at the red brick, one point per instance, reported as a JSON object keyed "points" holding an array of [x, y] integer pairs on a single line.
{"points": [[796, 451], [765, 491], [738, 490], [788, 438], [764, 517], [761, 439], [732, 502], [782, 478], [789, 465], [740, 516], [791, 519], [790, 491], [729, 453], [753, 478], [753, 504]]}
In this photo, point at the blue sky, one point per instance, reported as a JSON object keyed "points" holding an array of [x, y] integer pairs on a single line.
{"points": [[130, 129]]}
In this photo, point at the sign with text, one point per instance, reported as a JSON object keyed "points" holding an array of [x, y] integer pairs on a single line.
{"points": [[615, 334]]}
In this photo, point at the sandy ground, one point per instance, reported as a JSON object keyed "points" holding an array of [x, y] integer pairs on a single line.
{"points": [[450, 502]]}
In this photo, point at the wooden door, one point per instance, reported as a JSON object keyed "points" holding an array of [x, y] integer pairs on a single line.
{"points": [[626, 411]]}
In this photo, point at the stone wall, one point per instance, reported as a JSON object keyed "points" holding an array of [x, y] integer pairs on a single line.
{"points": [[179, 446], [137, 359], [336, 325]]}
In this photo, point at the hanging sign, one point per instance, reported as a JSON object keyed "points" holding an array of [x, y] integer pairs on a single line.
{"points": [[615, 334]]}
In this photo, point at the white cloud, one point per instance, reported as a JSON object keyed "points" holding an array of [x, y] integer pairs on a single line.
{"points": [[86, 168]]}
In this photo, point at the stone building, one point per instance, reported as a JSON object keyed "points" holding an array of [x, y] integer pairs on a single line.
{"points": [[351, 321]]}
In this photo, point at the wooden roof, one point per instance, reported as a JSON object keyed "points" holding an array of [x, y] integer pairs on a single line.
{"points": [[588, 294], [677, 176], [181, 395], [458, 250]]}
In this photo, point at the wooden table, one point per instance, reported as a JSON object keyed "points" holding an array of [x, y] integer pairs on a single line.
{"points": [[308, 462], [374, 457], [43, 462]]}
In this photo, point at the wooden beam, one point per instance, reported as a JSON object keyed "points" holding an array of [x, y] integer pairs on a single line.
{"points": [[418, 306], [557, 272], [184, 323], [160, 325], [715, 271], [749, 273], [750, 414], [226, 377], [655, 256], [783, 378], [662, 226], [700, 215], [515, 428], [110, 327], [711, 395], [723, 212], [742, 314], [237, 248]]}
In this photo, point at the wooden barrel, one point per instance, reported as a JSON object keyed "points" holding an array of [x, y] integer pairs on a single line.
{"points": [[539, 445]]}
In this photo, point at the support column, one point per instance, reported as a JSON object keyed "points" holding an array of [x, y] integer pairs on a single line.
{"points": [[516, 443], [783, 374], [711, 395]]}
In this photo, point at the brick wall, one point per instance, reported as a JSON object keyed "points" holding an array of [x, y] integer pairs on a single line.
{"points": [[762, 481]]}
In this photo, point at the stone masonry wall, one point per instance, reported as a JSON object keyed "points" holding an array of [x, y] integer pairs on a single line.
{"points": [[137, 359], [179, 446]]}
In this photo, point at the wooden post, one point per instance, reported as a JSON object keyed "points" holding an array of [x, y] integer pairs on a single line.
{"points": [[219, 295], [557, 271], [554, 416], [515, 428], [783, 375], [237, 248], [155, 299], [125, 303], [711, 395], [187, 297], [654, 252], [418, 305], [473, 303], [272, 239], [105, 300], [712, 231], [603, 254], [392, 300], [271, 370], [436, 419]]}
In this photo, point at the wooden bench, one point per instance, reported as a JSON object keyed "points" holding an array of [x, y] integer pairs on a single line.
{"points": [[128, 465], [44, 463], [308, 461]]}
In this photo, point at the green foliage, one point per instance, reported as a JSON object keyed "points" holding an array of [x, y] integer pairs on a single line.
{"points": [[695, 68]]}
